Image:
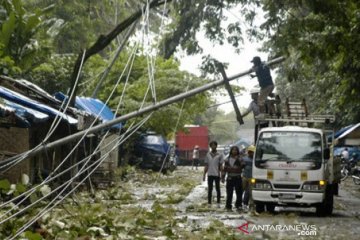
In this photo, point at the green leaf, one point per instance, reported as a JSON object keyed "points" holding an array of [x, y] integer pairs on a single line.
{"points": [[168, 232], [5, 184], [33, 197], [7, 30], [20, 187], [18, 7], [32, 22], [33, 236]]}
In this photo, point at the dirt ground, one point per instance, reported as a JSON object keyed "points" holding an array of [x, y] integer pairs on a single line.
{"points": [[343, 224]]}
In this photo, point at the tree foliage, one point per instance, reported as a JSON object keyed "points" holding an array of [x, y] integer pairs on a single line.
{"points": [[21, 49], [169, 81], [320, 39], [223, 127], [81, 21], [189, 17], [74, 19]]}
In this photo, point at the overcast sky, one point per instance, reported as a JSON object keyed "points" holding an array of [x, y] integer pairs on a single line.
{"points": [[237, 63]]}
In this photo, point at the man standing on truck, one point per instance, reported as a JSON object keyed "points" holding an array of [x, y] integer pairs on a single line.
{"points": [[266, 83], [195, 157], [213, 168]]}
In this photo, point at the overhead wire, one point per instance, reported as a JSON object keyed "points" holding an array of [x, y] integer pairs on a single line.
{"points": [[79, 141], [89, 157], [147, 46], [175, 128], [85, 134], [96, 150], [51, 130], [66, 170], [51, 204]]}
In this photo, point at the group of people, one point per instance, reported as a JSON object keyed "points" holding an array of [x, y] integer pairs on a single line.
{"points": [[237, 167], [235, 170]]}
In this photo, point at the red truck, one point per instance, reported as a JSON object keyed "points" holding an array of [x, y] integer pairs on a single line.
{"points": [[186, 141]]}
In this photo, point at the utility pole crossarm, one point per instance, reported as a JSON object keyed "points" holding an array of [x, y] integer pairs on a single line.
{"points": [[231, 94]]}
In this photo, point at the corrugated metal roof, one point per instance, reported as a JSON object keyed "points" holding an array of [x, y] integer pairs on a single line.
{"points": [[22, 117], [349, 131], [29, 106]]}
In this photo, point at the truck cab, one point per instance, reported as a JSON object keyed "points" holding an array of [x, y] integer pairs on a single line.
{"points": [[292, 167]]}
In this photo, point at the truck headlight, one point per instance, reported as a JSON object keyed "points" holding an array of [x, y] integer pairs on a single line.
{"points": [[260, 184], [314, 186]]}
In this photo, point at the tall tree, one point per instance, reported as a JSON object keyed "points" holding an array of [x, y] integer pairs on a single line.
{"points": [[189, 17], [320, 39], [170, 81]]}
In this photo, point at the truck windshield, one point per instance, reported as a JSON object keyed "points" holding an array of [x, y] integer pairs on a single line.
{"points": [[289, 146]]}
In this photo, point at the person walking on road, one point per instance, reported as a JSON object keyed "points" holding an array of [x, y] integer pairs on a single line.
{"points": [[195, 157], [233, 167], [213, 168], [247, 175]]}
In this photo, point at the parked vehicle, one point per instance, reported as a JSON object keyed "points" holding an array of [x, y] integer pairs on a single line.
{"points": [[350, 168], [354, 151], [293, 167], [151, 151], [224, 149], [188, 139], [241, 143]]}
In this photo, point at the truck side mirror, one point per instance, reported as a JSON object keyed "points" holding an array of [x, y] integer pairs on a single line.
{"points": [[326, 153]]}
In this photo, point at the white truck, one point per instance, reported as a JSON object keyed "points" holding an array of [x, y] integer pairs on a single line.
{"points": [[293, 167]]}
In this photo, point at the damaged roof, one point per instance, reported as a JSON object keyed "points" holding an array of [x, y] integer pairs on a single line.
{"points": [[92, 106], [28, 110]]}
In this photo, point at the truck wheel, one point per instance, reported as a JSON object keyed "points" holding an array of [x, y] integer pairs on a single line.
{"points": [[326, 207], [270, 208], [259, 207]]}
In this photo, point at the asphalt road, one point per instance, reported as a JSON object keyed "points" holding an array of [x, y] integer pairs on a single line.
{"points": [[286, 223]]}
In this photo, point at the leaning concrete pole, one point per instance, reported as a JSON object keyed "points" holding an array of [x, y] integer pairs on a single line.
{"points": [[231, 95], [140, 112]]}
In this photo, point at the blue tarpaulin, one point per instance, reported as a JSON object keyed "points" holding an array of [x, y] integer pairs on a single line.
{"points": [[9, 118], [31, 109], [93, 106]]}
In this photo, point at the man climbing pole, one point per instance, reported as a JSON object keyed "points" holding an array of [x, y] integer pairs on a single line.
{"points": [[266, 83]]}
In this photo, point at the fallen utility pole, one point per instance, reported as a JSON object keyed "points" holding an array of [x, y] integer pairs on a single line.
{"points": [[137, 113]]}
